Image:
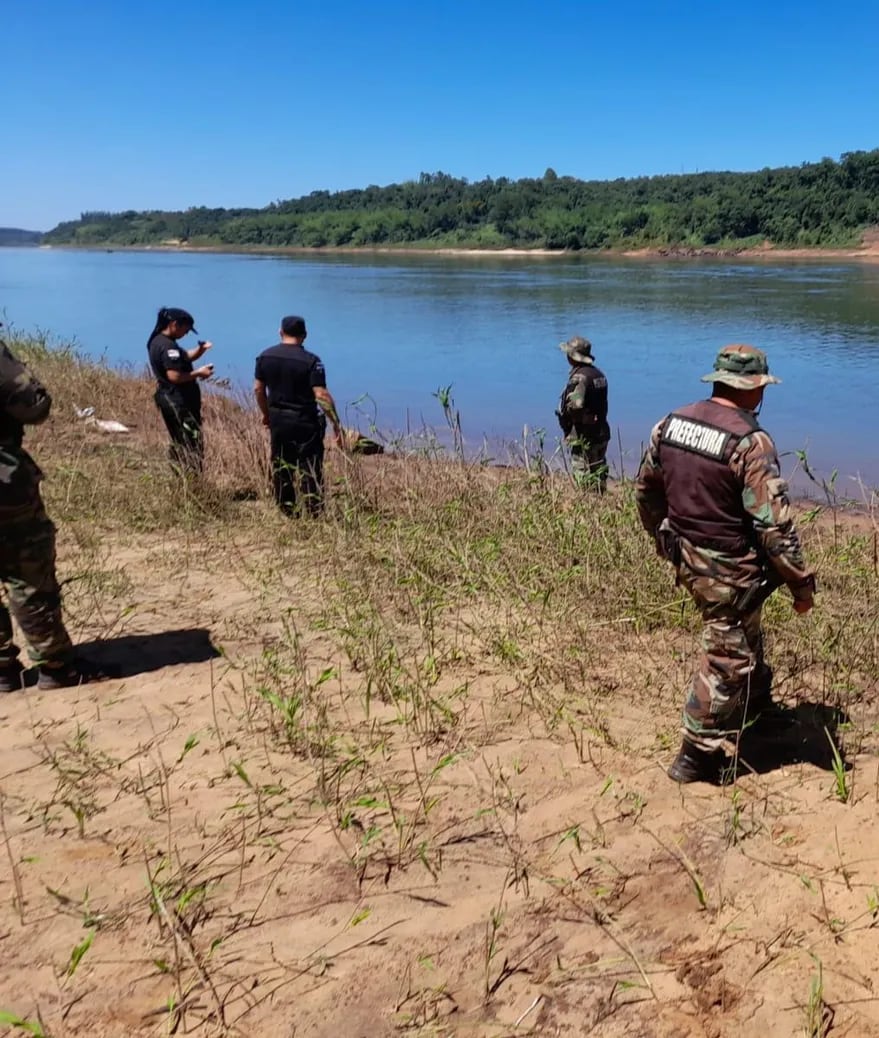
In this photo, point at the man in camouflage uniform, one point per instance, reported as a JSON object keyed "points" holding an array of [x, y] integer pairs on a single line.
{"points": [[582, 415], [709, 490], [27, 543]]}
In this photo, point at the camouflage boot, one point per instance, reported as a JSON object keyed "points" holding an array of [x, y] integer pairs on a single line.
{"points": [[695, 765]]}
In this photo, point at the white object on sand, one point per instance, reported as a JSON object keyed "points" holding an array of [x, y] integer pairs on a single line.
{"points": [[107, 425]]}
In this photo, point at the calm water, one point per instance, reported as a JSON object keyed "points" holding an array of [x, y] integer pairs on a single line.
{"points": [[392, 329]]}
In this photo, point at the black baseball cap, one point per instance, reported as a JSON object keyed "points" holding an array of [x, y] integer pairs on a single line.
{"points": [[174, 313], [293, 325]]}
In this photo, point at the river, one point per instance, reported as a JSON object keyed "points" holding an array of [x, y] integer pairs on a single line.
{"points": [[392, 329]]}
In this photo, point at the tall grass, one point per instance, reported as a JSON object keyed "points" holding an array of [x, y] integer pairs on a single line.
{"points": [[555, 577], [125, 478]]}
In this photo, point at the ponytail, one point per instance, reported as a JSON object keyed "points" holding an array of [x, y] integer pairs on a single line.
{"points": [[162, 321]]}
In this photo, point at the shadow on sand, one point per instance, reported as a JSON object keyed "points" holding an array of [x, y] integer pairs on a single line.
{"points": [[131, 654], [804, 734]]}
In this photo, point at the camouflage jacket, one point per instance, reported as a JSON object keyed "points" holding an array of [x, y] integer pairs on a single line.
{"points": [[773, 543], [23, 401], [583, 403]]}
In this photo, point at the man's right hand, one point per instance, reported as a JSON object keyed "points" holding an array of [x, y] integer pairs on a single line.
{"points": [[803, 605]]}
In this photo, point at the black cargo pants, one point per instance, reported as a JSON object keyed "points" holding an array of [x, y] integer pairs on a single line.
{"points": [[297, 463], [183, 422]]}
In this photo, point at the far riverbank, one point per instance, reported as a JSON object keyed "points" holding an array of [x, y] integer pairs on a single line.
{"points": [[868, 253]]}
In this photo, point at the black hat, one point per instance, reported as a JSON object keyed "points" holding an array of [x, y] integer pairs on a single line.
{"points": [[293, 325], [174, 313]]}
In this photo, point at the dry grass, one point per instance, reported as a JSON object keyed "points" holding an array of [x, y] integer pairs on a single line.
{"points": [[421, 790]]}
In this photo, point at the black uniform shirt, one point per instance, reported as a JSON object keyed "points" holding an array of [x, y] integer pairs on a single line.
{"points": [[167, 355], [290, 375]]}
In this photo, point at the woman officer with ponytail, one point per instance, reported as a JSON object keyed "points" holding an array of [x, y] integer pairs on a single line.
{"points": [[178, 394]]}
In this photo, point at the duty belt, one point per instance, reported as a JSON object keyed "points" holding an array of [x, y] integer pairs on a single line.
{"points": [[742, 548]]}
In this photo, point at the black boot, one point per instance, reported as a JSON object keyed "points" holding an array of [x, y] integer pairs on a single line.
{"points": [[695, 765], [77, 672], [11, 677], [760, 704], [767, 714], [762, 716]]}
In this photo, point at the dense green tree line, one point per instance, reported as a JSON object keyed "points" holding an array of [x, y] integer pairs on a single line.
{"points": [[823, 203]]}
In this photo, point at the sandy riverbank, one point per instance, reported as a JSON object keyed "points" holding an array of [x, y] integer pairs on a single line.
{"points": [[868, 253]]}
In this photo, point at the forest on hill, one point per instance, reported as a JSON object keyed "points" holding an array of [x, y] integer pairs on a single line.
{"points": [[18, 236], [826, 203]]}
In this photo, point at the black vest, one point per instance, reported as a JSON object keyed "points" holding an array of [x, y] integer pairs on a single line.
{"points": [[594, 407]]}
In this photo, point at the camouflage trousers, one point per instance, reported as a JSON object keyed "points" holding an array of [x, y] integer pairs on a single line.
{"points": [[732, 675], [27, 571], [589, 462]]}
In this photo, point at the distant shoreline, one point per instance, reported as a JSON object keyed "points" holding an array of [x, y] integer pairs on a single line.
{"points": [[865, 254]]}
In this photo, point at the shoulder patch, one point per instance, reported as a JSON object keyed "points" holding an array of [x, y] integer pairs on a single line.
{"points": [[173, 354], [698, 437]]}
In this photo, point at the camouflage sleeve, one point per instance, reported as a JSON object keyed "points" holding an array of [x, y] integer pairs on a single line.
{"points": [[22, 397], [575, 395], [650, 485], [765, 497]]}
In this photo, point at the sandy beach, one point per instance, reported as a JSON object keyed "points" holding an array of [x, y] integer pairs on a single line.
{"points": [[866, 253]]}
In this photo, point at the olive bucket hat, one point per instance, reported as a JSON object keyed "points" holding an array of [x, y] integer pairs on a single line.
{"points": [[578, 349], [742, 367]]}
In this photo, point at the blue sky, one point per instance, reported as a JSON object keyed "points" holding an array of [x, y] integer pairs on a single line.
{"points": [[111, 105]]}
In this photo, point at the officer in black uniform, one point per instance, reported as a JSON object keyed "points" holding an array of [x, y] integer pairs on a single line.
{"points": [[178, 395], [291, 392]]}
